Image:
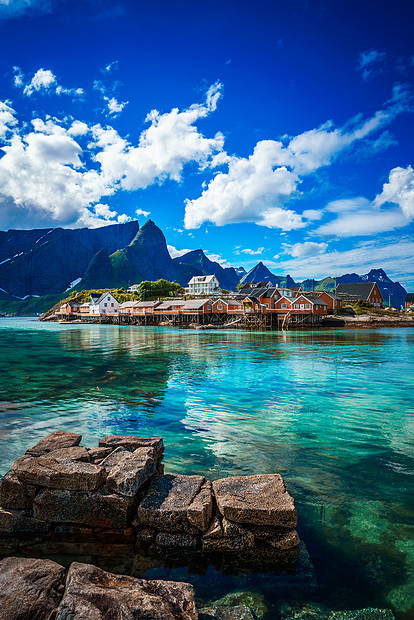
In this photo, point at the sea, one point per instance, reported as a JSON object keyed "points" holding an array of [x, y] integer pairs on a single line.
{"points": [[332, 411]]}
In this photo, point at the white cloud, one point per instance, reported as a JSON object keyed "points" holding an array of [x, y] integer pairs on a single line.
{"points": [[309, 248], [112, 66], [170, 142], [78, 128], [312, 214], [395, 255], [144, 213], [115, 107], [7, 119], [217, 258], [252, 252], [43, 81], [174, 253], [13, 8], [369, 62], [256, 189], [399, 190]]}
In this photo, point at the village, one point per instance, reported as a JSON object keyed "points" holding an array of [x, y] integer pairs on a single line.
{"points": [[255, 304]]}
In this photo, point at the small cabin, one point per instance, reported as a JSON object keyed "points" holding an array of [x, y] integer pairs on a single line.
{"points": [[364, 291]]}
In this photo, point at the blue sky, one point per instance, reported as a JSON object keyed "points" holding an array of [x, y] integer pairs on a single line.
{"points": [[271, 131]]}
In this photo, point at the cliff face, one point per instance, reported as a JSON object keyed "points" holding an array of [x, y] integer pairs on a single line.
{"points": [[40, 262], [201, 265], [260, 273]]}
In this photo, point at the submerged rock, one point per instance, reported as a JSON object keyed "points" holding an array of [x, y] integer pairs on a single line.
{"points": [[257, 499], [239, 612], [251, 599], [54, 441], [29, 589], [93, 594]]}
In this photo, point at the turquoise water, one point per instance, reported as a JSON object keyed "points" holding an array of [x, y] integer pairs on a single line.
{"points": [[332, 411]]}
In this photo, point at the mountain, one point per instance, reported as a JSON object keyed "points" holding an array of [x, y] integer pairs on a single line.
{"points": [[260, 273], [197, 260], [40, 262], [390, 290]]}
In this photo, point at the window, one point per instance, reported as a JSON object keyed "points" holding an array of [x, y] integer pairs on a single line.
{"points": [[112, 305], [302, 306], [105, 305], [284, 306], [209, 307], [296, 306], [308, 306], [219, 307], [108, 299]]}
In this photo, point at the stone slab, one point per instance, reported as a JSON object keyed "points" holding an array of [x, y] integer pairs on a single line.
{"points": [[200, 510], [59, 472], [97, 454], [132, 471], [235, 543], [166, 540], [285, 540], [29, 589], [131, 443], [93, 509], [20, 523], [257, 499], [94, 594], [14, 494], [54, 441], [168, 499], [113, 458]]}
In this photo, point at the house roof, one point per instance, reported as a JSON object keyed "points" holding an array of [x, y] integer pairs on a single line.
{"points": [[313, 300], [129, 304], [201, 279], [361, 290], [195, 304], [147, 304], [410, 297], [166, 305]]}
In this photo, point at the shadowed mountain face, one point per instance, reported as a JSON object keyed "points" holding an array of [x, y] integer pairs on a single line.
{"points": [[40, 262], [198, 261]]}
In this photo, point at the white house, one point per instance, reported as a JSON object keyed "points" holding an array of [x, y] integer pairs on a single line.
{"points": [[103, 304], [205, 285]]}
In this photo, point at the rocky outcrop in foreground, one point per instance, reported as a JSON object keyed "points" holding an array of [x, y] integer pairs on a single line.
{"points": [[37, 590], [115, 500]]}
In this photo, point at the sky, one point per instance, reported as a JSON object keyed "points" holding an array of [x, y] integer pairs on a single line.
{"points": [[258, 131]]}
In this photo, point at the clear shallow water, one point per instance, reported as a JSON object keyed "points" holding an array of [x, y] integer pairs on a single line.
{"points": [[332, 411]]}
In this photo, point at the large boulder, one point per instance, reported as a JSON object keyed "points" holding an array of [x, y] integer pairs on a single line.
{"points": [[54, 441], [29, 589], [59, 472], [93, 594], [258, 499], [93, 509], [167, 501]]}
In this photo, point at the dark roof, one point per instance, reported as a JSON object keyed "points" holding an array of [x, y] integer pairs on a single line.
{"points": [[410, 297], [360, 290], [253, 299], [314, 300]]}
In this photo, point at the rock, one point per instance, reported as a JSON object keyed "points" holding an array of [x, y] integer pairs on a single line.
{"points": [[174, 541], [200, 510], [94, 509], [20, 523], [167, 500], [285, 540], [259, 499], [76, 453], [146, 535], [96, 454], [236, 543], [59, 472], [238, 612], [113, 458], [233, 529], [131, 443], [55, 441], [250, 598], [132, 472], [29, 589], [93, 594], [215, 530], [14, 494]]}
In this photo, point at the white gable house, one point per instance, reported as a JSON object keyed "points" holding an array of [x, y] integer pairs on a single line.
{"points": [[105, 304], [203, 285]]}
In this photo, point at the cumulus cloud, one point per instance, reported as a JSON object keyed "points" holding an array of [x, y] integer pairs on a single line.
{"points": [[43, 81], [115, 107], [61, 171], [309, 248], [370, 62], [144, 213], [256, 188], [170, 142], [359, 216], [174, 253]]}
